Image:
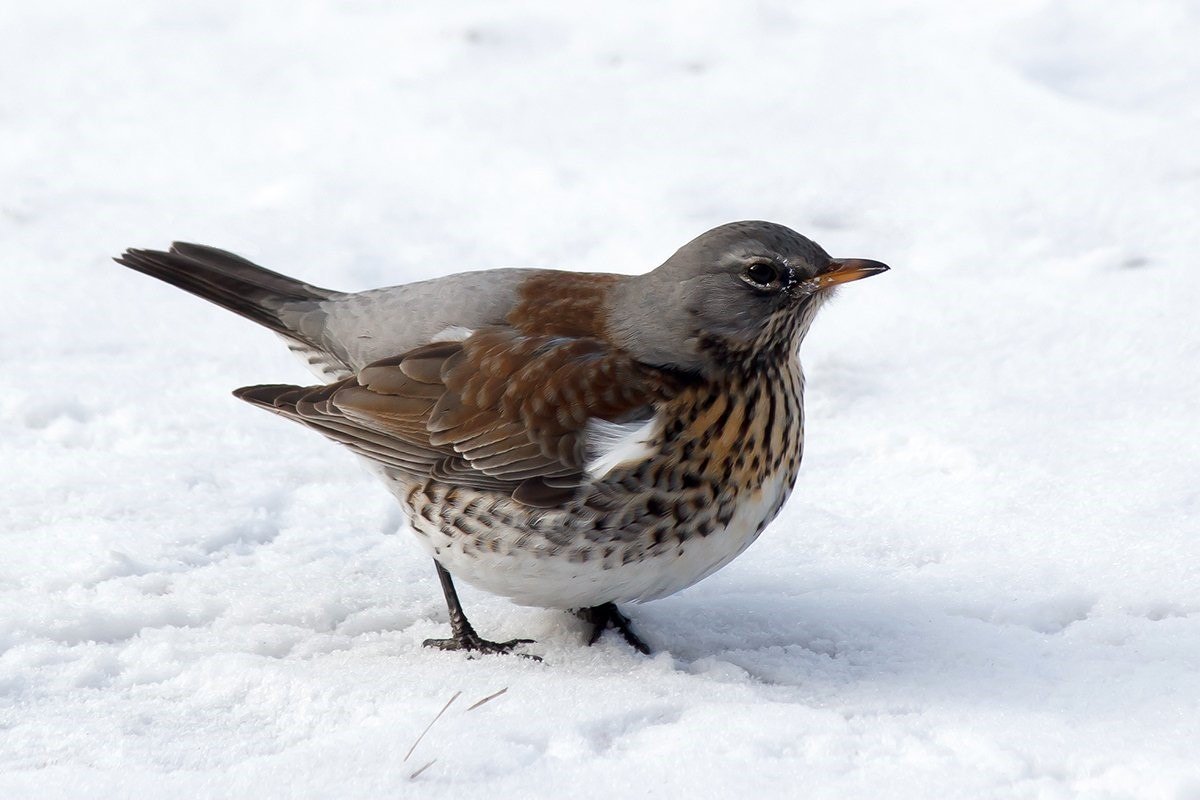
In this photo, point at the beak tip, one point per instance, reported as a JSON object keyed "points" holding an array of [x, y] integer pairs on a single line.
{"points": [[868, 265]]}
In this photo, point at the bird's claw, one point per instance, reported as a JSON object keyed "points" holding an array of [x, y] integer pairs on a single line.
{"points": [[608, 616], [473, 644]]}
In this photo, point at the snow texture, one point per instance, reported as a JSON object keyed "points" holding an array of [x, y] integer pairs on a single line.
{"points": [[987, 583]]}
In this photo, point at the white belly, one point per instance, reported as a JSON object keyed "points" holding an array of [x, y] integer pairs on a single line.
{"points": [[531, 576]]}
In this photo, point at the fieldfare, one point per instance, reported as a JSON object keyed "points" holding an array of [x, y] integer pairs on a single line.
{"points": [[567, 440]]}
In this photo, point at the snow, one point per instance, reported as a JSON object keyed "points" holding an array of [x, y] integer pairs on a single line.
{"points": [[985, 585]]}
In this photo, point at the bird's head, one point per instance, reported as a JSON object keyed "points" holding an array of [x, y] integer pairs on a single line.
{"points": [[744, 292]]}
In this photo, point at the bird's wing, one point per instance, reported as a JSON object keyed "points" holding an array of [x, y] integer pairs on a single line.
{"points": [[501, 409]]}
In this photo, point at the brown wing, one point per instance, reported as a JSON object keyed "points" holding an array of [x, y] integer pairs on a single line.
{"points": [[500, 410]]}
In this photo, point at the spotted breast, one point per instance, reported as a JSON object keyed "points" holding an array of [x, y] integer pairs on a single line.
{"points": [[718, 466]]}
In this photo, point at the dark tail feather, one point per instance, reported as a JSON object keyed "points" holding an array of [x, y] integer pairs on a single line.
{"points": [[228, 280]]}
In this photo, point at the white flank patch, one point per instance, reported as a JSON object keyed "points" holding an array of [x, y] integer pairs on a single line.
{"points": [[613, 444], [454, 333]]}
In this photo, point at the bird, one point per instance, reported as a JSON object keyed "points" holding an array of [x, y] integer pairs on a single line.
{"points": [[567, 440]]}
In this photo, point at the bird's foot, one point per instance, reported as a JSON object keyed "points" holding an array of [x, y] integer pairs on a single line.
{"points": [[607, 616], [472, 643]]}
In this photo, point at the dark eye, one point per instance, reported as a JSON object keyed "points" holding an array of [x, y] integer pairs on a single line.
{"points": [[762, 274]]}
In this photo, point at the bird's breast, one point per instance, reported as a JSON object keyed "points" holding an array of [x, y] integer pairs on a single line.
{"points": [[740, 432], [721, 463], [717, 470]]}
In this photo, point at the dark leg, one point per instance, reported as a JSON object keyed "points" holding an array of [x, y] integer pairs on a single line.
{"points": [[463, 636], [607, 616]]}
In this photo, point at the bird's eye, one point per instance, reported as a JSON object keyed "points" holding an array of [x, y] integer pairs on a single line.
{"points": [[762, 274]]}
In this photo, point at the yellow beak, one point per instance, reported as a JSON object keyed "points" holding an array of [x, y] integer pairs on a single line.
{"points": [[844, 270]]}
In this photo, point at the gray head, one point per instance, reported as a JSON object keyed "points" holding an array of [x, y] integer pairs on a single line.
{"points": [[744, 292]]}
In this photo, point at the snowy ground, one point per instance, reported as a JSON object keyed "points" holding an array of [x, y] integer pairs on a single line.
{"points": [[986, 584]]}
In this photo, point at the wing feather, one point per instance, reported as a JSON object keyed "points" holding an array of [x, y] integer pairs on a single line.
{"points": [[500, 409]]}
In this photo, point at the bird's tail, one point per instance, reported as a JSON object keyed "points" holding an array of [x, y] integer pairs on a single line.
{"points": [[232, 282]]}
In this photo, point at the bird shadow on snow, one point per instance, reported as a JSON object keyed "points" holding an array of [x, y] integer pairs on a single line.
{"points": [[827, 642]]}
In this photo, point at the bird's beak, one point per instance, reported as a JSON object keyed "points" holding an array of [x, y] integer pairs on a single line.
{"points": [[844, 270]]}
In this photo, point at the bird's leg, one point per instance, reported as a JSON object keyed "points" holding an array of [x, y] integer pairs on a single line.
{"points": [[463, 636], [607, 616]]}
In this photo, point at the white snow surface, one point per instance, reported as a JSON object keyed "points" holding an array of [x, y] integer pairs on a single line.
{"points": [[987, 583]]}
